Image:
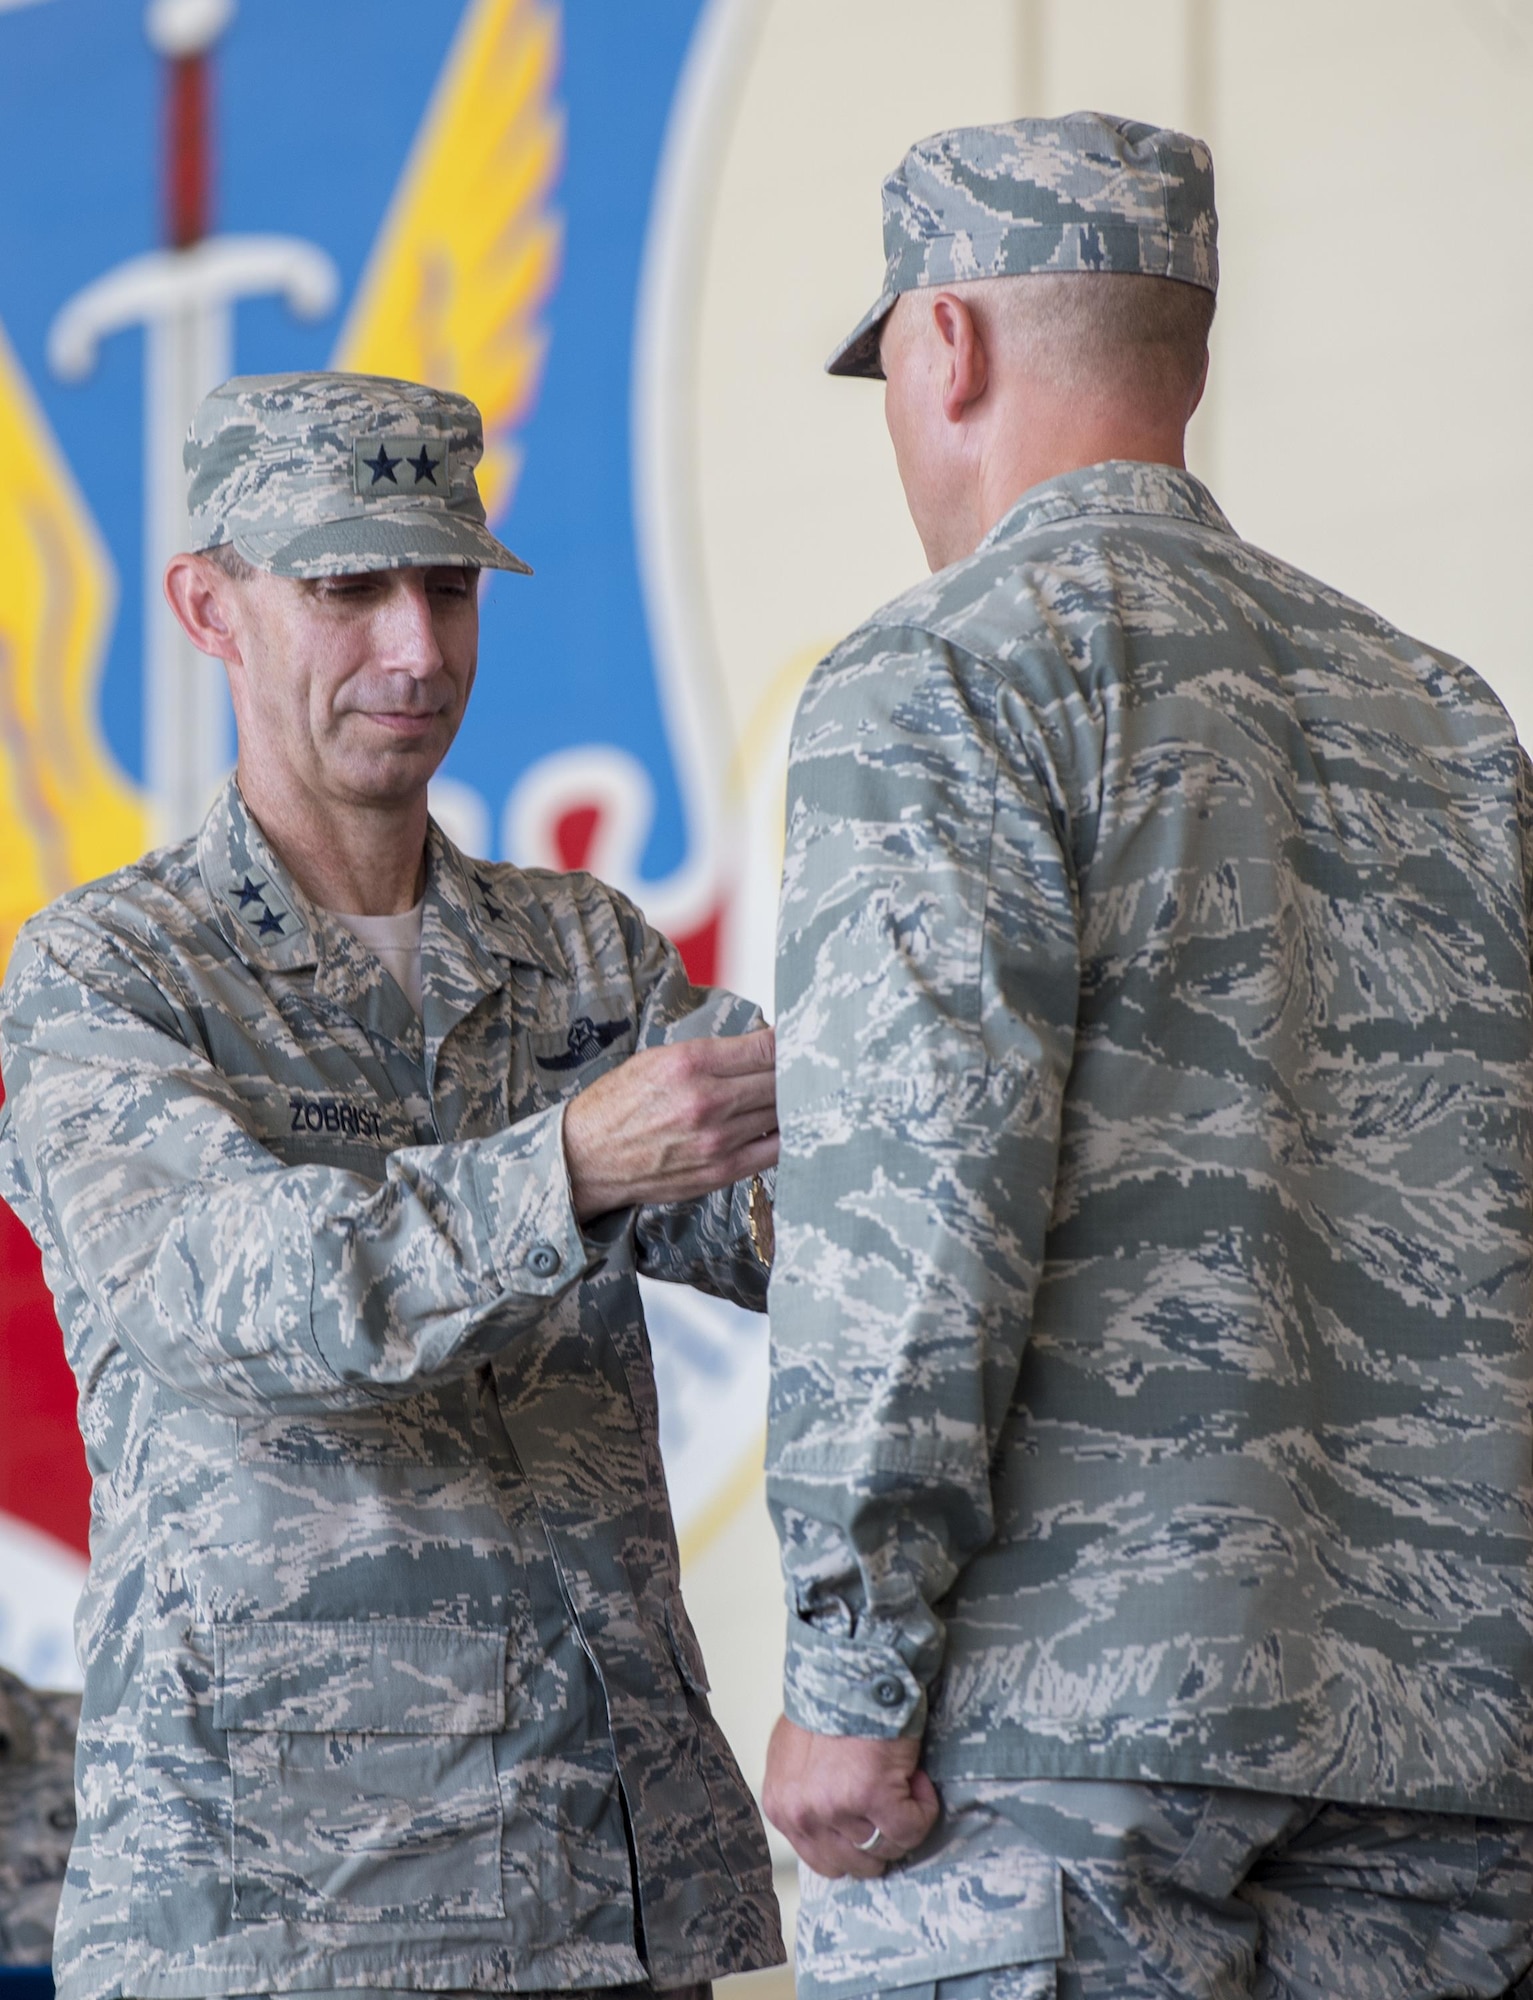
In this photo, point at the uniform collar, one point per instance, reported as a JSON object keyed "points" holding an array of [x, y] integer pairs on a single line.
{"points": [[260, 908], [476, 920], [488, 908], [1119, 486]]}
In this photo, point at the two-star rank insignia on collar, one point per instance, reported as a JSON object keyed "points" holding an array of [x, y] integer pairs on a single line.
{"points": [[264, 921], [378, 460]]}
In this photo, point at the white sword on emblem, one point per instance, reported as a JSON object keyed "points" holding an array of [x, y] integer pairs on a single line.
{"points": [[184, 298]]}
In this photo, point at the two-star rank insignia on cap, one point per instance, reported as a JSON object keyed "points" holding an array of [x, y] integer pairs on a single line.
{"points": [[400, 465]]}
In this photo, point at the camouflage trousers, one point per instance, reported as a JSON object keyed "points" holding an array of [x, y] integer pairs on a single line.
{"points": [[698, 1989], [1073, 1890]]}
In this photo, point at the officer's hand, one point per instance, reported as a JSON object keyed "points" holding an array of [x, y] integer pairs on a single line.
{"points": [[674, 1123], [829, 1794]]}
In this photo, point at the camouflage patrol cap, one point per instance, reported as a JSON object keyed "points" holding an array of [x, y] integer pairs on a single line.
{"points": [[326, 474], [1082, 193]]}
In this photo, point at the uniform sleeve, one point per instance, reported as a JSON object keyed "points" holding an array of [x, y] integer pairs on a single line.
{"points": [[1524, 791], [928, 971], [706, 1243], [241, 1282]]}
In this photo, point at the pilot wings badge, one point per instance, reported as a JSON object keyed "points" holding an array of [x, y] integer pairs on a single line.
{"points": [[587, 1038]]}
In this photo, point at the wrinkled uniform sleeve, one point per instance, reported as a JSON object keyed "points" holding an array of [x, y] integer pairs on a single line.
{"points": [[706, 1243], [928, 973], [243, 1283]]}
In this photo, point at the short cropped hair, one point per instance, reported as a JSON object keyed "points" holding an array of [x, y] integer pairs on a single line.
{"points": [[225, 556], [1110, 328]]}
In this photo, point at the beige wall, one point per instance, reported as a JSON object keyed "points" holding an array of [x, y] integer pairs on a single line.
{"points": [[1370, 412]]}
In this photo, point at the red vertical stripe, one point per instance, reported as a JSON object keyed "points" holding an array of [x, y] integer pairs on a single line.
{"points": [[43, 1479], [188, 147]]}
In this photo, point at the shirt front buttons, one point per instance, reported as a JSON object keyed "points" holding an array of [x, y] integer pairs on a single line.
{"points": [[888, 1694], [543, 1260]]}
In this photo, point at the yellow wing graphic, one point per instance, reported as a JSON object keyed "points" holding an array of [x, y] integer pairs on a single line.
{"points": [[469, 251], [66, 812]]}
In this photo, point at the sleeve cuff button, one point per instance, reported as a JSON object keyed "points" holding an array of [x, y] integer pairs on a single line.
{"points": [[542, 1260], [888, 1693]]}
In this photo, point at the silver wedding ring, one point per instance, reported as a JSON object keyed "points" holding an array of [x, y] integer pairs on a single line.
{"points": [[870, 1845]]}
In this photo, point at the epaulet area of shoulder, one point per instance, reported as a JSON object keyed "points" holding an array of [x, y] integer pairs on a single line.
{"points": [[158, 888], [989, 604], [1453, 680], [534, 911], [512, 885]]}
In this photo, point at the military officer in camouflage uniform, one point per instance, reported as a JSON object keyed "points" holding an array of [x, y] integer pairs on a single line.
{"points": [[1153, 1324], [344, 1152]]}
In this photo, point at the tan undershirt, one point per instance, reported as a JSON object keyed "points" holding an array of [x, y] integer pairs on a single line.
{"points": [[396, 941]]}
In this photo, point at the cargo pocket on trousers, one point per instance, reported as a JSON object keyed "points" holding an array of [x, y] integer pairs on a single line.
{"points": [[991, 1921], [363, 1768]]}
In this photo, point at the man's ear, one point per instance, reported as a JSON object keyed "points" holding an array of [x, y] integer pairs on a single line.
{"points": [[966, 372], [1199, 386], [198, 592]]}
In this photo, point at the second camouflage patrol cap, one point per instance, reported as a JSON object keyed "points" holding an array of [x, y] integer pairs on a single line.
{"points": [[326, 474], [1081, 193]]}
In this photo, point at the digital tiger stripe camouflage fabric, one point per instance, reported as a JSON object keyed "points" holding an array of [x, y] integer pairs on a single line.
{"points": [[1152, 1314], [388, 1679], [326, 474], [1083, 193], [37, 1814], [1074, 1889]]}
